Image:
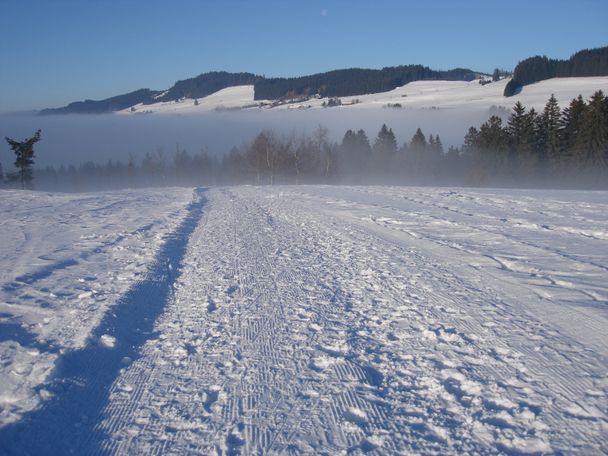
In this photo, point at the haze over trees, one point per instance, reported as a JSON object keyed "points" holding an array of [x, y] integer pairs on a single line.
{"points": [[555, 147]]}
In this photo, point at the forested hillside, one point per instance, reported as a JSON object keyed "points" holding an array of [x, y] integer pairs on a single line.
{"points": [[353, 81], [107, 105], [206, 84], [588, 62]]}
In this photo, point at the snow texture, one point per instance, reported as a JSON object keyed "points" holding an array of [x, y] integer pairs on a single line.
{"points": [[65, 260], [312, 319]]}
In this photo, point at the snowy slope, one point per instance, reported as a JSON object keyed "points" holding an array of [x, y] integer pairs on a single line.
{"points": [[65, 260], [415, 95], [346, 320], [229, 98]]}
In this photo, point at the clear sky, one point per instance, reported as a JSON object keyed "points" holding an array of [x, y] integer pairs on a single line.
{"points": [[56, 51]]}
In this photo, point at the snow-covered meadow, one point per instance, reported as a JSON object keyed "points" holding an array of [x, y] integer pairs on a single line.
{"points": [[65, 261], [417, 95], [304, 319]]}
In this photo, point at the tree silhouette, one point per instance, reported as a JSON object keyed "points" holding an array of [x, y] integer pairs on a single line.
{"points": [[24, 152]]}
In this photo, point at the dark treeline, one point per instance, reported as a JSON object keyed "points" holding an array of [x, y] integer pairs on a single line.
{"points": [[557, 148], [107, 105], [588, 62], [353, 81]]}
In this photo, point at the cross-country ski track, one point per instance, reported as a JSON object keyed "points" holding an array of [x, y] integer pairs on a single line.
{"points": [[334, 320]]}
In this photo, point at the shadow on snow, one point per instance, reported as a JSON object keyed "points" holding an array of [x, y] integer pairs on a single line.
{"points": [[68, 423]]}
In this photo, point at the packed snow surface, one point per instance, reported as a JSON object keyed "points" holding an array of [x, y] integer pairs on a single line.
{"points": [[305, 319], [415, 95], [64, 261]]}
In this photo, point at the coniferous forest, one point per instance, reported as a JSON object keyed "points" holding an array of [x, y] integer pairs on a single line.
{"points": [[588, 62], [558, 147]]}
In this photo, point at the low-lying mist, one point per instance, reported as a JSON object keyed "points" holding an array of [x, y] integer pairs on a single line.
{"points": [[523, 148], [76, 139]]}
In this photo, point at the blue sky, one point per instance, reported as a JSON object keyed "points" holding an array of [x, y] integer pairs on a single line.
{"points": [[54, 52]]}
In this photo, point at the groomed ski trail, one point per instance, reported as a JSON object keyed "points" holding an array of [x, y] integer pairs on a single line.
{"points": [[370, 320]]}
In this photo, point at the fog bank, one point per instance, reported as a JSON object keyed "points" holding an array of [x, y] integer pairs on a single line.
{"points": [[76, 139]]}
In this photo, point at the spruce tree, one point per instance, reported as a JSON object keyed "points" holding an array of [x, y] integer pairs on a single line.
{"points": [[549, 136], [491, 159], [523, 155], [438, 145], [24, 152], [385, 145], [418, 165], [571, 126], [595, 133], [471, 140], [384, 150], [418, 140]]}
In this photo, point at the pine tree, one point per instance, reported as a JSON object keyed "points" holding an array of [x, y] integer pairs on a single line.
{"points": [[523, 155], [549, 136], [417, 159], [384, 150], [418, 140], [438, 145], [385, 145], [471, 140], [491, 150], [595, 133], [363, 143], [24, 152], [571, 126]]}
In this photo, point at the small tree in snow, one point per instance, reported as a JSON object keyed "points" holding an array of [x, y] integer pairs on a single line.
{"points": [[24, 152]]}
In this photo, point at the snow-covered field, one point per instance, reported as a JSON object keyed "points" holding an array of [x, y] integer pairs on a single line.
{"points": [[64, 261], [309, 319], [415, 95]]}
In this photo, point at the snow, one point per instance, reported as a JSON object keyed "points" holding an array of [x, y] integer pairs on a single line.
{"points": [[65, 261], [229, 98], [307, 319], [415, 95]]}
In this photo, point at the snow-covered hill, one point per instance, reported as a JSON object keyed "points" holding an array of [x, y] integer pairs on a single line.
{"points": [[304, 320], [415, 95]]}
